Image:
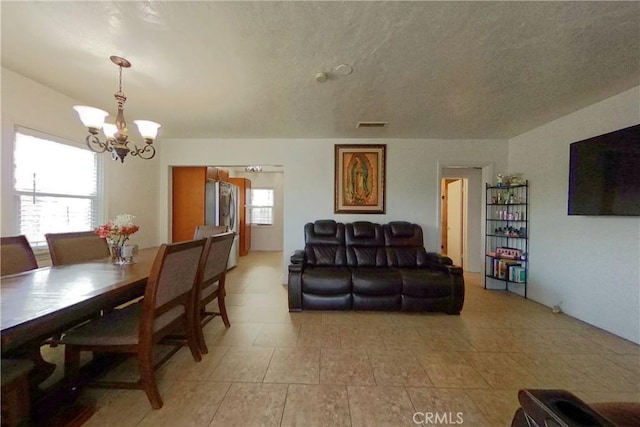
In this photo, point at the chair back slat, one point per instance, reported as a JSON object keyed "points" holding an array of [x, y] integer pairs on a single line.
{"points": [[216, 257], [76, 247], [171, 286], [178, 274], [16, 255]]}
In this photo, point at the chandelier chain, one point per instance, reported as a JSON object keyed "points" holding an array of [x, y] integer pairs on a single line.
{"points": [[120, 82]]}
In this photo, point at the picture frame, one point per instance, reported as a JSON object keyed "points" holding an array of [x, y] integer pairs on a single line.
{"points": [[360, 178]]}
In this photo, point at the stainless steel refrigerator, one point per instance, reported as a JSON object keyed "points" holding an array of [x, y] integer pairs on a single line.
{"points": [[222, 208]]}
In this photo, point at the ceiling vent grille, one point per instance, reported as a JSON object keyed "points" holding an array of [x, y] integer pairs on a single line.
{"points": [[372, 124]]}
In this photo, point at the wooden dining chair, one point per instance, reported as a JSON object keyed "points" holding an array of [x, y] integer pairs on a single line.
{"points": [[16, 255], [76, 247], [166, 309], [203, 231], [214, 271]]}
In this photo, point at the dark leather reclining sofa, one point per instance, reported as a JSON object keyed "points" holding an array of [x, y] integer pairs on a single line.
{"points": [[367, 266]]}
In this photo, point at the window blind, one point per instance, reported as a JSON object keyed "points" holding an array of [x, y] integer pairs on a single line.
{"points": [[56, 187]]}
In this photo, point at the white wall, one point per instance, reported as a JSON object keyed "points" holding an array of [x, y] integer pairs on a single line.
{"points": [[268, 238], [413, 180], [589, 264], [131, 187]]}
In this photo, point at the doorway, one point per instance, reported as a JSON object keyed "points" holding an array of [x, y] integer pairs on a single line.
{"points": [[453, 217]]}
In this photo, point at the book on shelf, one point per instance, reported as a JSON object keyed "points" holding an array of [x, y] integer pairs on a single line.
{"points": [[518, 274], [502, 267]]}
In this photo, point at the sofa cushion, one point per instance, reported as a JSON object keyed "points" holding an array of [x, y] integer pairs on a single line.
{"points": [[401, 229], [364, 229], [404, 257], [325, 227], [364, 233], [376, 281], [419, 282], [328, 256], [377, 302], [324, 232], [327, 302], [326, 280], [402, 233], [366, 257], [365, 245]]}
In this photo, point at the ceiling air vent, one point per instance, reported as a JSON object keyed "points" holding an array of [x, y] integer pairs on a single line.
{"points": [[372, 124]]}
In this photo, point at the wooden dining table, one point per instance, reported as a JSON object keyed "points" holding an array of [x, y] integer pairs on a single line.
{"points": [[40, 303]]}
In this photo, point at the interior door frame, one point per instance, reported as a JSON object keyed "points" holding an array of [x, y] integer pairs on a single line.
{"points": [[464, 214], [475, 225]]}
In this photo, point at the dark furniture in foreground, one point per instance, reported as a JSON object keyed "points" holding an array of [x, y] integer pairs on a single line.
{"points": [[15, 391], [368, 266], [541, 408]]}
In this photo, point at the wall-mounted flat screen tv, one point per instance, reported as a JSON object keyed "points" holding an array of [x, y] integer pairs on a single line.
{"points": [[604, 174]]}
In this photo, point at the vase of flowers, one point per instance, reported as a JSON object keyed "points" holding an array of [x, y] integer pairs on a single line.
{"points": [[117, 232]]}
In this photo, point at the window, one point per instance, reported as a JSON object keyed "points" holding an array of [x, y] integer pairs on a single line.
{"points": [[262, 206], [56, 187]]}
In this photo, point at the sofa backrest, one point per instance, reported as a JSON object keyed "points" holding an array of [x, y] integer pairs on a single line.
{"points": [[404, 244], [402, 233], [365, 245], [325, 243]]}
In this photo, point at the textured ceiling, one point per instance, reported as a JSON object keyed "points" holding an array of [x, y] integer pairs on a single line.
{"points": [[247, 69]]}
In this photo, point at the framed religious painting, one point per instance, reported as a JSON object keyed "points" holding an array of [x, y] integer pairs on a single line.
{"points": [[360, 178]]}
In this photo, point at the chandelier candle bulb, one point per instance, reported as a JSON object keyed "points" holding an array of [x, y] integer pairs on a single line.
{"points": [[109, 130], [92, 118], [148, 129]]}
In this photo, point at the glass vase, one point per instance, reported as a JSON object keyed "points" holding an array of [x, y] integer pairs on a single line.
{"points": [[115, 248]]}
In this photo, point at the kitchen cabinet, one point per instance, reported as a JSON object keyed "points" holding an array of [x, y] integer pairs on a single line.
{"points": [[188, 199]]}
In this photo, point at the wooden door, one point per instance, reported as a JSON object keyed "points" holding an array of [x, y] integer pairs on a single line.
{"points": [[454, 221], [188, 199]]}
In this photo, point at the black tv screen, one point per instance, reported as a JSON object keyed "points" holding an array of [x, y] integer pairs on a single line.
{"points": [[604, 174]]}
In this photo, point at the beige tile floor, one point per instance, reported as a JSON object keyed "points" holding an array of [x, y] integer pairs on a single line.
{"points": [[275, 368]]}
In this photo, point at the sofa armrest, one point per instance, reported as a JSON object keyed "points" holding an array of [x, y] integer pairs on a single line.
{"points": [[297, 257], [294, 284], [438, 258], [434, 261]]}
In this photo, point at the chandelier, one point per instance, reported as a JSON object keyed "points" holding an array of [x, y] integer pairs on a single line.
{"points": [[117, 142]]}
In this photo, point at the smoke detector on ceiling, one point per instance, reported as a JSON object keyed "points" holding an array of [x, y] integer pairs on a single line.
{"points": [[337, 71], [372, 124]]}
